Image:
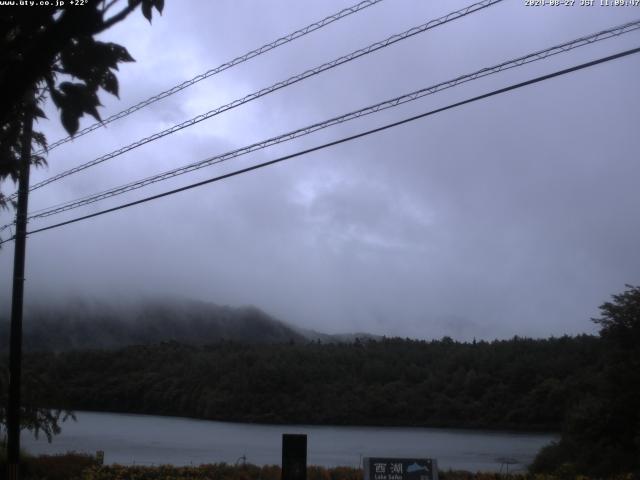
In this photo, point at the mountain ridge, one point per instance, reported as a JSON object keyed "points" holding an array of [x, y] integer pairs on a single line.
{"points": [[85, 324]]}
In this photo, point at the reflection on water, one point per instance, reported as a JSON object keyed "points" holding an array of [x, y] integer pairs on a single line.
{"points": [[146, 439]]}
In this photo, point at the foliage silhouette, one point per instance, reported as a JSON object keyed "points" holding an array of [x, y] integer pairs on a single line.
{"points": [[601, 433], [51, 51]]}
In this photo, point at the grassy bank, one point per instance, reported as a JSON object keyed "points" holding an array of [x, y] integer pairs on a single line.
{"points": [[74, 466], [251, 472]]}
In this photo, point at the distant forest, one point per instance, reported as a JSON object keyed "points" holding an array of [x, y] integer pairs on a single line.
{"points": [[86, 324], [520, 384]]}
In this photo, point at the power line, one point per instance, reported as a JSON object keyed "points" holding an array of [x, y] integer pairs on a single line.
{"points": [[277, 86], [343, 140], [523, 60], [214, 71]]}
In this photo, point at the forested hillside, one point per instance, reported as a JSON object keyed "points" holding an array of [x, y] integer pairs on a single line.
{"points": [[516, 384], [87, 324]]}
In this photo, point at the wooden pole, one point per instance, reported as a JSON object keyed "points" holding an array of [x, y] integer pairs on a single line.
{"points": [[15, 346]]}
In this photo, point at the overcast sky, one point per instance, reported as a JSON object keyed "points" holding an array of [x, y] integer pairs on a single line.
{"points": [[512, 215]]}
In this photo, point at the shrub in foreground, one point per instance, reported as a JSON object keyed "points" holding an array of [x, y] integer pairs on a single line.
{"points": [[252, 472], [74, 466], [68, 466]]}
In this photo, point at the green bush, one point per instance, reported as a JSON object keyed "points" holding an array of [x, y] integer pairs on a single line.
{"points": [[68, 466]]}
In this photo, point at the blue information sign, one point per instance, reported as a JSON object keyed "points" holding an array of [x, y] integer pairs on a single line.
{"points": [[378, 468]]}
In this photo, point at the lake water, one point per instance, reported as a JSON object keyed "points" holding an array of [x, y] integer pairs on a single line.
{"points": [[147, 440]]}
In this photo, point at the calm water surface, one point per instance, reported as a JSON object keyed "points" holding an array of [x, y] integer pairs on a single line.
{"points": [[147, 439]]}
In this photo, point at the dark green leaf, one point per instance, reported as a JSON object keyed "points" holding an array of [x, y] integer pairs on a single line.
{"points": [[70, 121], [80, 57], [38, 113], [146, 9], [56, 96], [89, 60], [110, 83], [79, 98], [93, 111], [40, 139], [119, 54]]}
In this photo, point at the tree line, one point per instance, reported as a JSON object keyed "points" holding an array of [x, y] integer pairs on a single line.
{"points": [[510, 384]]}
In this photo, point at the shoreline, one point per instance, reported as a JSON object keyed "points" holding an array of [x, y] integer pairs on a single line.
{"points": [[461, 429]]}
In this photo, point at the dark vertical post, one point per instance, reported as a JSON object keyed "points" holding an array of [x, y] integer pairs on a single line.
{"points": [[15, 346], [294, 457]]}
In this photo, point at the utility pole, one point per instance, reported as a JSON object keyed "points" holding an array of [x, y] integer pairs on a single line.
{"points": [[15, 345]]}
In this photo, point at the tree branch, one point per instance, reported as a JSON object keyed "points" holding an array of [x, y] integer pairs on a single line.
{"points": [[108, 6], [119, 16]]}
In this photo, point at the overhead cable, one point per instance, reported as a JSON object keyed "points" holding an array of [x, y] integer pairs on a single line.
{"points": [[393, 102], [225, 66], [342, 140], [277, 86]]}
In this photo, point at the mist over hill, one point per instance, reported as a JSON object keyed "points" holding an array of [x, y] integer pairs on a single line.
{"points": [[90, 324]]}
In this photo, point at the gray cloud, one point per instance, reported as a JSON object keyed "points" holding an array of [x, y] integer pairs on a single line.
{"points": [[514, 215]]}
